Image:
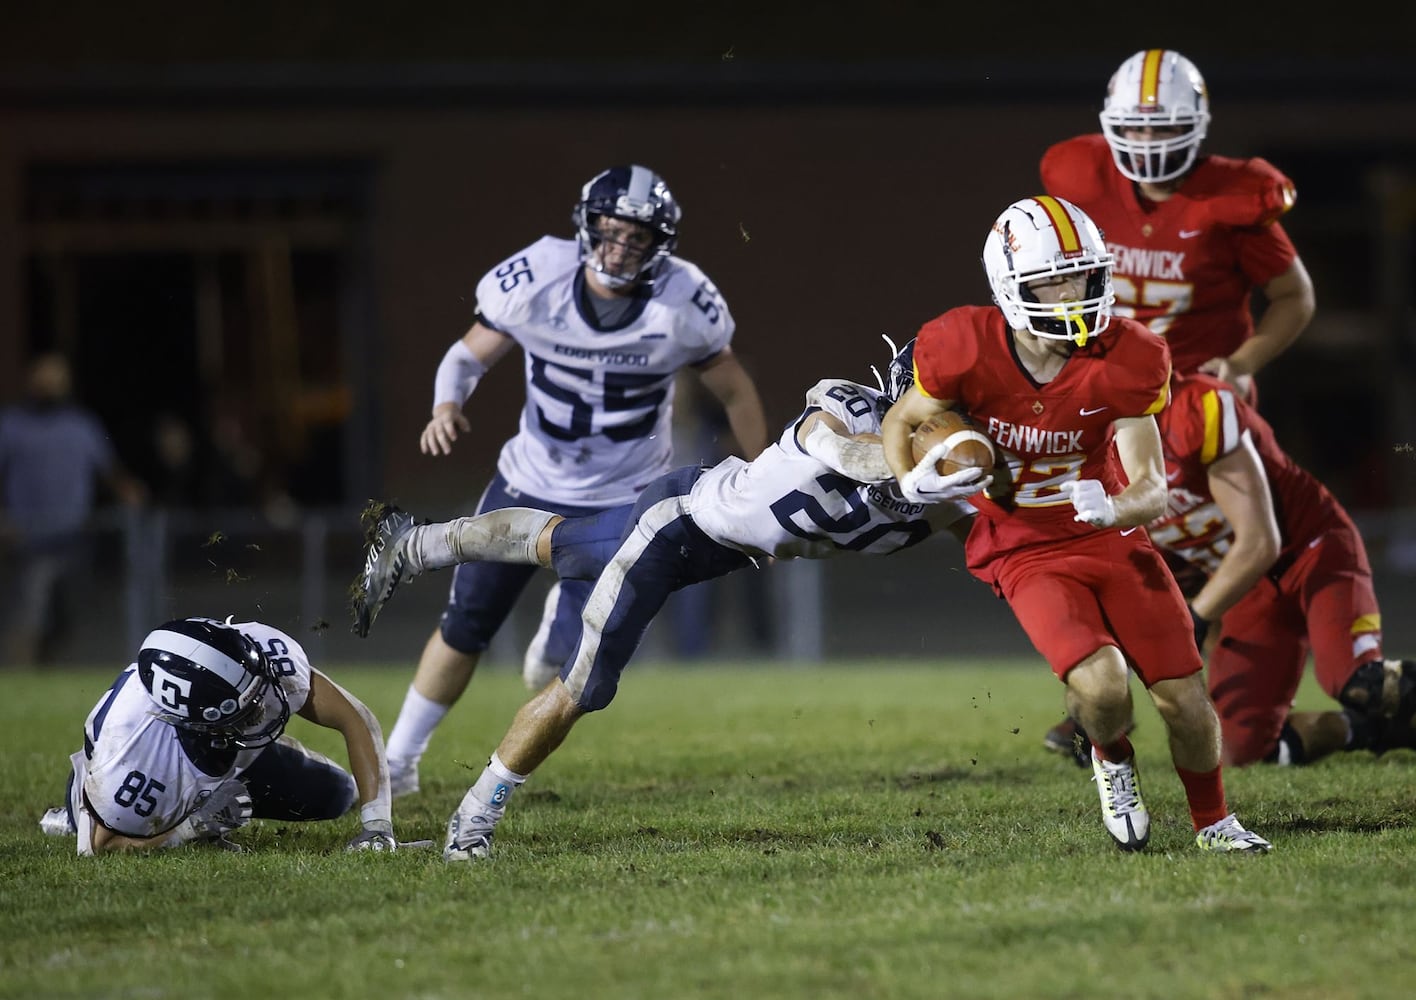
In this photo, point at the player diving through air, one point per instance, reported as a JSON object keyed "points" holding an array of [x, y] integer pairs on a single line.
{"points": [[822, 488]]}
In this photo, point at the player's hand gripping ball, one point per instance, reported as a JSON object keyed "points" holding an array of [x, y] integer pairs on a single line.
{"points": [[966, 446]]}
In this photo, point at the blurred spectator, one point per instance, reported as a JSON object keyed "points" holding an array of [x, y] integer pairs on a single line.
{"points": [[176, 478], [53, 453]]}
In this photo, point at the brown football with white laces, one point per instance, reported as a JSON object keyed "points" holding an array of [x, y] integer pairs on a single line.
{"points": [[968, 447]]}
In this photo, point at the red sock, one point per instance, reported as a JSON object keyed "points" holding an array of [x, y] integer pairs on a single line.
{"points": [[1118, 752], [1204, 790]]}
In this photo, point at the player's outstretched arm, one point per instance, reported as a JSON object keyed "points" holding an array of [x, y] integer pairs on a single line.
{"points": [[856, 456]]}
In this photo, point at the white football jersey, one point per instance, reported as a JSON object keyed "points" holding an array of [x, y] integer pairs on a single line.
{"points": [[787, 504], [135, 776], [595, 428]]}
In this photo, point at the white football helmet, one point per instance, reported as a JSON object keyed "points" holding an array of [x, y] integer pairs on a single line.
{"points": [[1043, 237], [1156, 88]]}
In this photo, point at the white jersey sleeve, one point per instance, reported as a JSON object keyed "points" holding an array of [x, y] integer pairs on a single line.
{"points": [[595, 429], [787, 504]]}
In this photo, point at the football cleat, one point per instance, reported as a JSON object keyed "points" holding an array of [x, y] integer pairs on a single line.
{"points": [[402, 777], [1228, 835], [55, 823], [385, 562], [1123, 812], [1069, 739], [469, 835]]}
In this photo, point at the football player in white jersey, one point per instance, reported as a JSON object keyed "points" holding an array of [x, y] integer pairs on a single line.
{"points": [[823, 488], [188, 745], [604, 322]]}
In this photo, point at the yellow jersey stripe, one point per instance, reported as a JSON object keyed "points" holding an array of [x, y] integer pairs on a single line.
{"points": [[1210, 403], [918, 384], [1367, 623]]}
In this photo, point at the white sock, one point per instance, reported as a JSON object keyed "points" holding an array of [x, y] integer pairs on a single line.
{"points": [[414, 728], [493, 790]]}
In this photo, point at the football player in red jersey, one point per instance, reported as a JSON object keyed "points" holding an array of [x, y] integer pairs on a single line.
{"points": [[1193, 235], [1069, 395], [1283, 570]]}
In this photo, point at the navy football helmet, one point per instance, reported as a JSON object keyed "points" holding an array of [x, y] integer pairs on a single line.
{"points": [[635, 194], [899, 374], [209, 678]]}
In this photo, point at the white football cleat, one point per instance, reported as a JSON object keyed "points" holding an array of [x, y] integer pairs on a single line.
{"points": [[1228, 835], [55, 823], [1122, 809], [469, 836]]}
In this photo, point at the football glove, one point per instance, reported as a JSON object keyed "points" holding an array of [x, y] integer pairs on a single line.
{"points": [[923, 484], [377, 835], [1091, 501], [227, 808]]}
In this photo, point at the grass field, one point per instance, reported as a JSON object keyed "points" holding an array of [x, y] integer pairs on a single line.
{"points": [[867, 830]]}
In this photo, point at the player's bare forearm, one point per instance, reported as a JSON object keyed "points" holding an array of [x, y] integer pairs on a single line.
{"points": [[1291, 303], [1240, 488], [1140, 503], [1138, 446], [899, 422], [735, 391], [105, 841], [335, 708], [748, 423]]}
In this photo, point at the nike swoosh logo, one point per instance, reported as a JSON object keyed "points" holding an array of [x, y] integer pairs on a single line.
{"points": [[1086, 413], [1127, 532], [1187, 234], [1170, 477]]}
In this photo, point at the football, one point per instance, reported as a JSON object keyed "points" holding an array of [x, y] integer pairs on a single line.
{"points": [[969, 447]]}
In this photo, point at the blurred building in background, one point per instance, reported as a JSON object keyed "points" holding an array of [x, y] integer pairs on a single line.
{"points": [[255, 245]]}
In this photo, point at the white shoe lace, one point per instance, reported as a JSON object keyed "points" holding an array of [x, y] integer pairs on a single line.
{"points": [[1121, 788]]}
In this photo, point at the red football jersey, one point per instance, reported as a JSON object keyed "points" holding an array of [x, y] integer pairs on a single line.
{"points": [[1185, 267], [1204, 422], [1048, 433]]}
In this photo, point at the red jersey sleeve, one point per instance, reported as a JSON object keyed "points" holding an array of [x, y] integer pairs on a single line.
{"points": [[1248, 197], [1076, 169], [945, 348], [1144, 358], [1205, 422]]}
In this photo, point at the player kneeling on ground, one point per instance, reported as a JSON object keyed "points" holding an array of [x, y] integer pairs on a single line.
{"points": [[188, 745]]}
